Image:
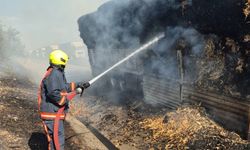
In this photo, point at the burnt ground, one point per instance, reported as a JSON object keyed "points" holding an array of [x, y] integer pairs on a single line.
{"points": [[136, 125], [131, 125], [20, 126]]}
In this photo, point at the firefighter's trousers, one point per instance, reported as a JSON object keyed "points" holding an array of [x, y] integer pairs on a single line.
{"points": [[50, 131]]}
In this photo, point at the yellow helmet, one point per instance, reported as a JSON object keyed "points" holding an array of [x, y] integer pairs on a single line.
{"points": [[58, 57]]}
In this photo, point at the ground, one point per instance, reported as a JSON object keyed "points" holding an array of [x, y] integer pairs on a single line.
{"points": [[130, 125], [135, 125]]}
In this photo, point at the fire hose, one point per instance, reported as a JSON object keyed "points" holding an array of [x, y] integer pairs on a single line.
{"points": [[83, 86], [143, 47]]}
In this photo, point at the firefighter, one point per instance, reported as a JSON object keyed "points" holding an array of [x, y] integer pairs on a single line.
{"points": [[54, 97]]}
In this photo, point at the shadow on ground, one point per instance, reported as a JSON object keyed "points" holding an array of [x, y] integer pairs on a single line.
{"points": [[38, 141]]}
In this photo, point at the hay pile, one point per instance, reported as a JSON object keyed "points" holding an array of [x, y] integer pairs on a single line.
{"points": [[246, 10], [190, 128]]}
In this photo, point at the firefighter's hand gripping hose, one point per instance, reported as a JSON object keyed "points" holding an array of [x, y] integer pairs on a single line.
{"points": [[81, 87]]}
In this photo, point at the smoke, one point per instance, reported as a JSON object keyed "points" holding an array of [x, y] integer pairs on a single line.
{"points": [[13, 56], [119, 27], [46, 22], [188, 40], [119, 24], [41, 23], [10, 43], [10, 46], [16, 62]]}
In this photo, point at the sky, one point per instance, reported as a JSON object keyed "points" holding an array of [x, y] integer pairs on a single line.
{"points": [[45, 22]]}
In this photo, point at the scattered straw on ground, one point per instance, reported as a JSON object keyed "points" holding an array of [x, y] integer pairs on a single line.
{"points": [[79, 109], [11, 139], [189, 128]]}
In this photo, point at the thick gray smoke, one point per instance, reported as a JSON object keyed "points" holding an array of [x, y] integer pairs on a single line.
{"points": [[188, 40], [119, 27], [118, 24]]}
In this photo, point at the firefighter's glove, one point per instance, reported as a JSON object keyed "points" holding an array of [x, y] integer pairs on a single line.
{"points": [[83, 85]]}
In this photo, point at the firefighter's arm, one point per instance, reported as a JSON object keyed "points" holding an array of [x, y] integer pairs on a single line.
{"points": [[75, 88], [71, 87]]}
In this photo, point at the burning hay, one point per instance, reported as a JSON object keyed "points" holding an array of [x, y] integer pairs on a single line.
{"points": [[189, 128]]}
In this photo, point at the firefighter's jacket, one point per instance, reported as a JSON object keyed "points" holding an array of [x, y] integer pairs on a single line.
{"points": [[53, 94]]}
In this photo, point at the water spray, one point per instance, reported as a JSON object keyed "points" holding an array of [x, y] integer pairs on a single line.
{"points": [[143, 47]]}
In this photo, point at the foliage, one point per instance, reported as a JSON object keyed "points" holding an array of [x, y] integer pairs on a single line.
{"points": [[10, 43]]}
